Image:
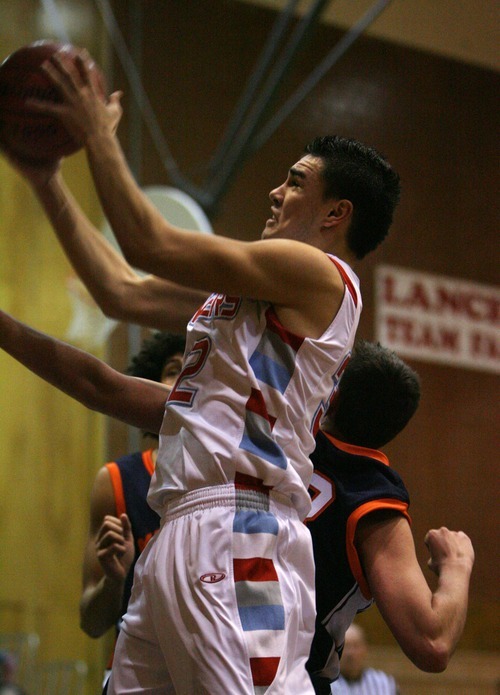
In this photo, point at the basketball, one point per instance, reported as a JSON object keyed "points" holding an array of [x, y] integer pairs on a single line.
{"points": [[27, 135]]}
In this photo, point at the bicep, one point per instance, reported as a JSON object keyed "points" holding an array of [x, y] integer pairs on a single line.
{"points": [[279, 271]]}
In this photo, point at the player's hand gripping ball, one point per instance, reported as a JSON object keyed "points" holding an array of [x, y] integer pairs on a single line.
{"points": [[25, 134]]}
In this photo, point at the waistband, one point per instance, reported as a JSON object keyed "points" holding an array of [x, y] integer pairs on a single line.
{"points": [[231, 496]]}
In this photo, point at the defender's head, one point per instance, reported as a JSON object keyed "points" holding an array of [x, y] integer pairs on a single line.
{"points": [[377, 396], [159, 358]]}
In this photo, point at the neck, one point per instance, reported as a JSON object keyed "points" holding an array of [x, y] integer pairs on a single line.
{"points": [[340, 249]]}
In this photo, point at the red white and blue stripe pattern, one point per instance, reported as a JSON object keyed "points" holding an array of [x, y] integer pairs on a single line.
{"points": [[273, 360], [273, 363], [258, 592], [257, 436]]}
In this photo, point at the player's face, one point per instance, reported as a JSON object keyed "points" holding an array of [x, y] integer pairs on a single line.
{"points": [[171, 370], [298, 205]]}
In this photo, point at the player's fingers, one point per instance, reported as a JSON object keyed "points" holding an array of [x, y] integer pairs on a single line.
{"points": [[115, 549], [84, 65], [115, 101], [432, 536], [110, 536], [432, 566], [126, 526], [59, 73], [111, 520], [109, 523], [110, 529], [48, 108], [115, 109]]}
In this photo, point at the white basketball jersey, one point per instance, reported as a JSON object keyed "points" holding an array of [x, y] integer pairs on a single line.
{"points": [[250, 397]]}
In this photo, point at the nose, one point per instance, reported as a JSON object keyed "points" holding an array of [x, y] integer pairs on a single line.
{"points": [[276, 196]]}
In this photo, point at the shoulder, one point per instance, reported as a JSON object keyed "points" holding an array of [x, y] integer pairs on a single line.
{"points": [[102, 497], [354, 465], [102, 481]]}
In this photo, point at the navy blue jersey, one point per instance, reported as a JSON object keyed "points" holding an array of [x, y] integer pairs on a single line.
{"points": [[348, 483], [130, 477]]}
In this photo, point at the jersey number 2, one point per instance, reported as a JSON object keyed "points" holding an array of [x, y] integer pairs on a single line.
{"points": [[195, 361]]}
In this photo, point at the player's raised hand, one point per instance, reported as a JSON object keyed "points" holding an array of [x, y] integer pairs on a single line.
{"points": [[115, 547], [448, 547], [85, 109]]}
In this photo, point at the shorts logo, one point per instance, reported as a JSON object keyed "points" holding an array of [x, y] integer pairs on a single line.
{"points": [[212, 577]]}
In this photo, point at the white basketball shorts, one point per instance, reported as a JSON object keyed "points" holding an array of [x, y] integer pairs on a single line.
{"points": [[223, 600]]}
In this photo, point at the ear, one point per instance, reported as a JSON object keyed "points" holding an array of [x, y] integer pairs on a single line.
{"points": [[340, 211]]}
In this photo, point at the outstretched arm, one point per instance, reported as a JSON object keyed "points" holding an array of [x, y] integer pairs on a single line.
{"points": [[82, 376], [108, 557], [295, 277], [427, 624], [119, 291]]}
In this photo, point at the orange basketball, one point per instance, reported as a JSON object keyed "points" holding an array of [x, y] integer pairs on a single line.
{"points": [[24, 133]]}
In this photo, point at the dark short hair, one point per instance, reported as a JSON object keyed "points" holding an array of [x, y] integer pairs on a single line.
{"points": [[362, 175], [377, 396], [154, 354]]}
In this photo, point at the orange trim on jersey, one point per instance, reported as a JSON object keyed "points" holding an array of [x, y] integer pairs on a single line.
{"points": [[347, 280], [358, 450], [147, 459], [352, 523], [116, 482]]}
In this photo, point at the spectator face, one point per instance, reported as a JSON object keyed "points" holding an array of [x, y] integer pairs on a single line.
{"points": [[354, 655]]}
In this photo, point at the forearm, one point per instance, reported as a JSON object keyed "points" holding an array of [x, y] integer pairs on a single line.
{"points": [[101, 268], [101, 606], [78, 374], [449, 605], [429, 629], [137, 402], [441, 615], [62, 365], [132, 217], [117, 289], [427, 624]]}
